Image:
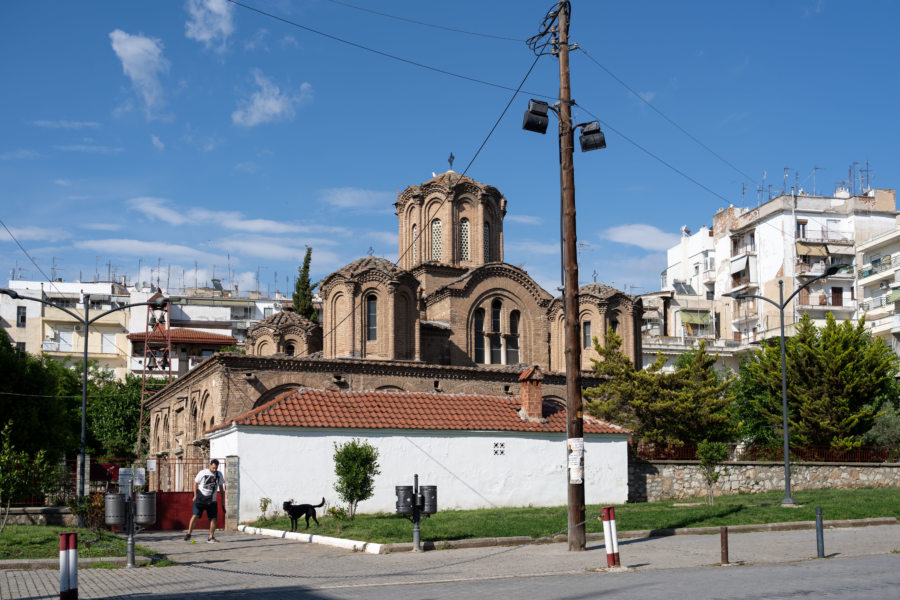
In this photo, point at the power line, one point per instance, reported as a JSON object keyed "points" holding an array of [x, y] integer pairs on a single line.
{"points": [[660, 113], [413, 21], [22, 248], [382, 53]]}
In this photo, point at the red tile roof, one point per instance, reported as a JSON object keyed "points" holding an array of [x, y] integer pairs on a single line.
{"points": [[409, 410], [180, 335]]}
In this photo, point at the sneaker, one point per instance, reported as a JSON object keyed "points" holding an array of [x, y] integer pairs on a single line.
{"points": [[187, 537], [212, 540]]}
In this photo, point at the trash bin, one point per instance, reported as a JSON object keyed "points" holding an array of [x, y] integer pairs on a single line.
{"points": [[404, 499], [145, 508], [430, 495], [115, 509]]}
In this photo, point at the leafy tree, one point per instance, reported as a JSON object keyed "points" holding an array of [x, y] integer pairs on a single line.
{"points": [[836, 377], [356, 465], [711, 455], [113, 411], [681, 407], [886, 429], [43, 397], [20, 474], [303, 290]]}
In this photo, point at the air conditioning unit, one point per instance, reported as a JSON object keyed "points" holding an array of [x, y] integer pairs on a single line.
{"points": [[79, 328]]}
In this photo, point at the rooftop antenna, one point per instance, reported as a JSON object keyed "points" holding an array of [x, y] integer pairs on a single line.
{"points": [[866, 171], [744, 188], [96, 268], [168, 276], [53, 268], [158, 269], [814, 178], [140, 260], [230, 278], [594, 275], [196, 282]]}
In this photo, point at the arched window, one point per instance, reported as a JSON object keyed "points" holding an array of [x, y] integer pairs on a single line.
{"points": [[436, 239], [464, 239], [479, 336], [512, 340], [195, 423], [289, 349], [614, 324], [415, 244], [586, 334], [487, 242], [496, 343], [371, 318]]}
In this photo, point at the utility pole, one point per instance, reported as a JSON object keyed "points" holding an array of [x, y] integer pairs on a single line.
{"points": [[574, 419]]}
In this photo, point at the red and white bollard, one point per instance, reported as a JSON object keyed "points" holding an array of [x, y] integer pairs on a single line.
{"points": [[610, 536], [68, 566]]}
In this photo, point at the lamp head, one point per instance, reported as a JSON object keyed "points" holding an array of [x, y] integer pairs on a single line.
{"points": [[834, 269], [160, 302], [592, 137], [734, 295], [536, 117], [11, 293]]}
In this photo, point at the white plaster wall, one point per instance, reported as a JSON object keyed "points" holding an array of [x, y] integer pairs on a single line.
{"points": [[288, 463]]}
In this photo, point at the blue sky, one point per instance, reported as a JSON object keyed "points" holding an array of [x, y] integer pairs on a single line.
{"points": [[137, 134]]}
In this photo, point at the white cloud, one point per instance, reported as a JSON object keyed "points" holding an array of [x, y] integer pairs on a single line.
{"points": [[141, 248], [643, 236], [647, 96], [289, 40], [531, 247], [156, 209], [157, 143], [356, 198], [524, 219], [40, 234], [210, 22], [19, 154], [63, 182], [62, 124], [101, 226], [257, 40], [246, 167], [90, 149], [269, 104], [143, 62]]}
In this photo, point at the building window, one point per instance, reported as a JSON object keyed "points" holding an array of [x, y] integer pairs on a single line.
{"points": [[614, 324], [108, 343], [464, 239], [267, 312], [586, 334], [436, 239], [479, 336], [289, 349], [371, 318], [415, 244], [20, 346], [20, 316], [496, 306], [496, 349], [801, 229], [512, 340], [487, 242]]}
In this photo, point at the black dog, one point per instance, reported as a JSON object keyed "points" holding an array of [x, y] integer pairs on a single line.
{"points": [[296, 511]]}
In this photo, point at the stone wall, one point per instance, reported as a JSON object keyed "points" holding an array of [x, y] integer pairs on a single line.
{"points": [[649, 481], [42, 515]]}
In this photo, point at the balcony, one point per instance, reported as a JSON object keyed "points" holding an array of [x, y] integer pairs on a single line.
{"points": [[742, 284], [821, 302], [834, 236], [709, 276], [874, 272]]}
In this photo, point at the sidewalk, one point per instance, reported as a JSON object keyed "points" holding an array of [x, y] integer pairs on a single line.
{"points": [[251, 562]]}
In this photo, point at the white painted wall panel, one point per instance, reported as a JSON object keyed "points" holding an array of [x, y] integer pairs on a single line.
{"points": [[283, 464]]}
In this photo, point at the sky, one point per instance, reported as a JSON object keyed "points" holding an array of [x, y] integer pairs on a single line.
{"points": [[174, 142]]}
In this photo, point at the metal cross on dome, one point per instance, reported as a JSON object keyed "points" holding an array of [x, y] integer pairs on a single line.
{"points": [[450, 160]]}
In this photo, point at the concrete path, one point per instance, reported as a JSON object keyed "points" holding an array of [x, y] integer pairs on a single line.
{"points": [[242, 563]]}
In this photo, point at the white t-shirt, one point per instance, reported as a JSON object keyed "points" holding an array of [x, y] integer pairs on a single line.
{"points": [[207, 484]]}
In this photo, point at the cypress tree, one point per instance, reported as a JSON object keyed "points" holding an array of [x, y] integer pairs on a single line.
{"points": [[303, 290]]}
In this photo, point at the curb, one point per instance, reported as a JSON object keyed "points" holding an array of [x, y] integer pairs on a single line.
{"points": [[522, 540]]}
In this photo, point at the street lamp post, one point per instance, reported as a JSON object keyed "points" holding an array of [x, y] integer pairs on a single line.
{"points": [[780, 305], [86, 321]]}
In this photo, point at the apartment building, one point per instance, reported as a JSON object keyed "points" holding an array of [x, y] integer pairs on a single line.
{"points": [[791, 238], [878, 263]]}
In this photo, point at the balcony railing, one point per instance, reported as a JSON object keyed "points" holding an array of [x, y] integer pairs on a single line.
{"points": [[825, 303], [873, 303], [884, 265]]}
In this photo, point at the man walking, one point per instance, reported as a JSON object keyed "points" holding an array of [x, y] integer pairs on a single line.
{"points": [[206, 484]]}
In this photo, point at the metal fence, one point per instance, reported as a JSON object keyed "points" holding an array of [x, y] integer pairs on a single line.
{"points": [[771, 452]]}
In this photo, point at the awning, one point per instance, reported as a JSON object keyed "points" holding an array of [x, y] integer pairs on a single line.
{"points": [[895, 295], [695, 317], [840, 249], [804, 249], [738, 265]]}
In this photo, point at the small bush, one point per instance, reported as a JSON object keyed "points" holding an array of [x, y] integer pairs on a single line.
{"points": [[356, 465]]}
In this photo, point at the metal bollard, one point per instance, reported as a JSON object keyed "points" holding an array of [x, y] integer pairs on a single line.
{"points": [[68, 566], [610, 536], [723, 536], [820, 536]]}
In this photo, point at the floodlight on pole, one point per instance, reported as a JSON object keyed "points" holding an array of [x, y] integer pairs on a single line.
{"points": [[780, 305], [86, 322]]}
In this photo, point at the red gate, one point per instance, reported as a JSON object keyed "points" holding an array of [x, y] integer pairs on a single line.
{"points": [[174, 486]]}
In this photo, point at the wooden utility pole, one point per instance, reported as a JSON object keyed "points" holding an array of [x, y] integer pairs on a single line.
{"points": [[574, 420]]}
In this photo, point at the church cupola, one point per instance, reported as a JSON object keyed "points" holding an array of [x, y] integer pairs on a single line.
{"points": [[450, 219]]}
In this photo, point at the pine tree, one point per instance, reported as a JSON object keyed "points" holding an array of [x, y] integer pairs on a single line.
{"points": [[677, 408], [836, 376], [303, 290]]}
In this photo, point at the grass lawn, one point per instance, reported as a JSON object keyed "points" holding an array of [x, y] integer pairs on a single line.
{"points": [[42, 541], [740, 509]]}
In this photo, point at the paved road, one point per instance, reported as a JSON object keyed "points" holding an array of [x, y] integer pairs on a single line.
{"points": [[863, 563]]}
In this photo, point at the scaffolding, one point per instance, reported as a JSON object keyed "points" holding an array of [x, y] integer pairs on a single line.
{"points": [[157, 359]]}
